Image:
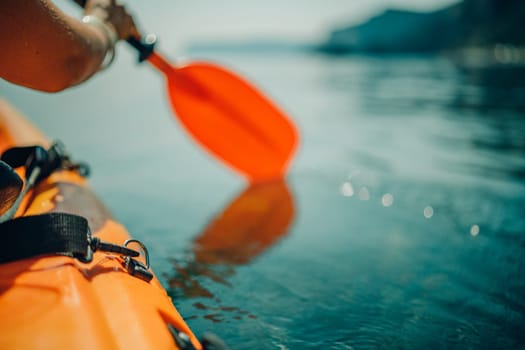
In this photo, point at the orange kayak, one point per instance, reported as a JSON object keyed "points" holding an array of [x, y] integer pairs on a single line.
{"points": [[59, 302]]}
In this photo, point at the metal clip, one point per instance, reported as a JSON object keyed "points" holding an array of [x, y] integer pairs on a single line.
{"points": [[135, 267], [182, 340], [96, 244]]}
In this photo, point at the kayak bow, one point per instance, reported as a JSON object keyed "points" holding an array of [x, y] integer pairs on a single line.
{"points": [[59, 302]]}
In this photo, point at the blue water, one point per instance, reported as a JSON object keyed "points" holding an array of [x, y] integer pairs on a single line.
{"points": [[401, 224]]}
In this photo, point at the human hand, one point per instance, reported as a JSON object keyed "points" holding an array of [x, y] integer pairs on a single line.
{"points": [[114, 14]]}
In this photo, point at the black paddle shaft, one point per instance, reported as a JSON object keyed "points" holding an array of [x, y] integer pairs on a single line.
{"points": [[145, 46]]}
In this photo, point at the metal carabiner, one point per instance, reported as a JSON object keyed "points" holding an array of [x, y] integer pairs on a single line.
{"points": [[135, 267], [142, 246]]}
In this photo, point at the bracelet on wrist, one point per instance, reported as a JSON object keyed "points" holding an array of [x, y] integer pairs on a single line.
{"points": [[110, 33]]}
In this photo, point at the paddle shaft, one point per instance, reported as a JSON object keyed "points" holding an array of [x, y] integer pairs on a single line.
{"points": [[226, 115]]}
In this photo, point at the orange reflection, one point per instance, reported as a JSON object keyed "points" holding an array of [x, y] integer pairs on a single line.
{"points": [[252, 223]]}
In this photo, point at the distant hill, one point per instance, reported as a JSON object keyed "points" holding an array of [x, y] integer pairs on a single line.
{"points": [[470, 23]]}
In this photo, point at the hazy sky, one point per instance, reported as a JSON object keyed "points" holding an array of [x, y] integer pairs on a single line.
{"points": [[188, 20], [295, 18]]}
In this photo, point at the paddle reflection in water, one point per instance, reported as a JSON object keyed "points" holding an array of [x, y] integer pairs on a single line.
{"points": [[253, 222]]}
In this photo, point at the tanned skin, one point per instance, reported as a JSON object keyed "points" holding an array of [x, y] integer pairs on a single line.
{"points": [[45, 49]]}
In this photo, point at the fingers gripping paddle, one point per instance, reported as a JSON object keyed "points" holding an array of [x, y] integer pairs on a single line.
{"points": [[226, 115]]}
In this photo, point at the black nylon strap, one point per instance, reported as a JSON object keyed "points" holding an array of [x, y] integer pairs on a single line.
{"points": [[47, 234]]}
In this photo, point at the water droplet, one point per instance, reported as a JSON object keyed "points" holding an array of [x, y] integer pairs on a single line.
{"points": [[387, 200], [474, 230], [364, 195], [347, 189], [428, 212]]}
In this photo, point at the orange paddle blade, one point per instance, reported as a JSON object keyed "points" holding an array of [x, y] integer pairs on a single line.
{"points": [[231, 119]]}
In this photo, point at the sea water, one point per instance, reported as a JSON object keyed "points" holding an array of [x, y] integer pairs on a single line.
{"points": [[400, 225]]}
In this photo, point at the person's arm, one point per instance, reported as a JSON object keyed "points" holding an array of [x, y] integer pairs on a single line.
{"points": [[47, 50]]}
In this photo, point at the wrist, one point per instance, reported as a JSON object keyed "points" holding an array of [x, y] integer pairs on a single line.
{"points": [[109, 33]]}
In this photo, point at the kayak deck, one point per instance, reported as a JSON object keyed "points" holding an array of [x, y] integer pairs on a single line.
{"points": [[60, 302]]}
